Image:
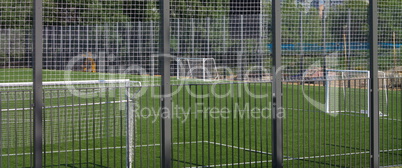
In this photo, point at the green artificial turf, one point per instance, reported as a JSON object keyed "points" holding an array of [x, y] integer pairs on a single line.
{"points": [[225, 125]]}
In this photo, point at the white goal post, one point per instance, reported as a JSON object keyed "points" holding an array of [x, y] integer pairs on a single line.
{"points": [[124, 100], [339, 85], [197, 68]]}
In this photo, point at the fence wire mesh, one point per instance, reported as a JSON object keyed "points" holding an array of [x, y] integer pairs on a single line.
{"points": [[102, 106], [97, 123], [16, 66], [317, 38], [16, 41], [234, 34], [100, 40], [389, 62]]}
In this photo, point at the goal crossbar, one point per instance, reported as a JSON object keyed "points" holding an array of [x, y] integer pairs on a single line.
{"points": [[189, 67], [55, 83], [348, 75]]}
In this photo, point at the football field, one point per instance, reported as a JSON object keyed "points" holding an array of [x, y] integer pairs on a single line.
{"points": [[226, 124]]}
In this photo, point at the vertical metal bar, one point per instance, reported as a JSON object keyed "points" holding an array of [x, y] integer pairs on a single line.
{"points": [[151, 42], [373, 99], [140, 35], [223, 36], [326, 82], [208, 37], [301, 42], [277, 140], [192, 37], [166, 100], [324, 47], [37, 80], [9, 48], [349, 39], [87, 40], [178, 36], [203, 69], [128, 130], [260, 45], [239, 58], [54, 46]]}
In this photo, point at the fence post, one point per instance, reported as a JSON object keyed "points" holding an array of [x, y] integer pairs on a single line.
{"points": [[301, 42], [166, 100], [37, 81], [178, 37], [9, 48], [373, 85], [277, 135], [151, 40], [192, 37], [208, 38], [241, 52], [87, 39], [140, 35], [260, 45]]}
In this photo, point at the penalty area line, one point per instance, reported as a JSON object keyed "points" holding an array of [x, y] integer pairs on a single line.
{"points": [[104, 148], [290, 159]]}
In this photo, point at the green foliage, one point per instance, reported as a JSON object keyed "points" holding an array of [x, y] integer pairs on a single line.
{"points": [[296, 22], [390, 16], [152, 11], [389, 59], [199, 8], [312, 27], [339, 20], [290, 22], [18, 14], [83, 12], [15, 14]]}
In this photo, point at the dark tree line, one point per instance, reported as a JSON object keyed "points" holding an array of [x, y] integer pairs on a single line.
{"points": [[17, 14]]}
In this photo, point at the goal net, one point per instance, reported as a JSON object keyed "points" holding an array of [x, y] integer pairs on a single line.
{"points": [[73, 111], [347, 91], [197, 68]]}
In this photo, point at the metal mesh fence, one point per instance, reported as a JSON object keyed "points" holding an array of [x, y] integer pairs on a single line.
{"points": [[234, 34], [389, 62], [221, 81], [100, 40], [16, 66], [98, 124], [324, 35], [317, 38], [16, 41]]}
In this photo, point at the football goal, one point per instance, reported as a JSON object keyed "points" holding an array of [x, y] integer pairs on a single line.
{"points": [[73, 111], [347, 91], [197, 68]]}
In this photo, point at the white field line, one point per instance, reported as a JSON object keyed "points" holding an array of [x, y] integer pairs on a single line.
{"points": [[236, 147], [391, 119], [353, 112], [290, 159], [5, 121], [117, 147], [73, 105]]}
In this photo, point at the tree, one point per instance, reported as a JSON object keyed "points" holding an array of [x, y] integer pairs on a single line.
{"points": [[199, 8], [83, 12], [338, 20], [390, 16], [15, 14]]}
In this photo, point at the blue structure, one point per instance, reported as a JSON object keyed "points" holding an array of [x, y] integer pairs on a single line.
{"points": [[332, 47], [317, 3]]}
